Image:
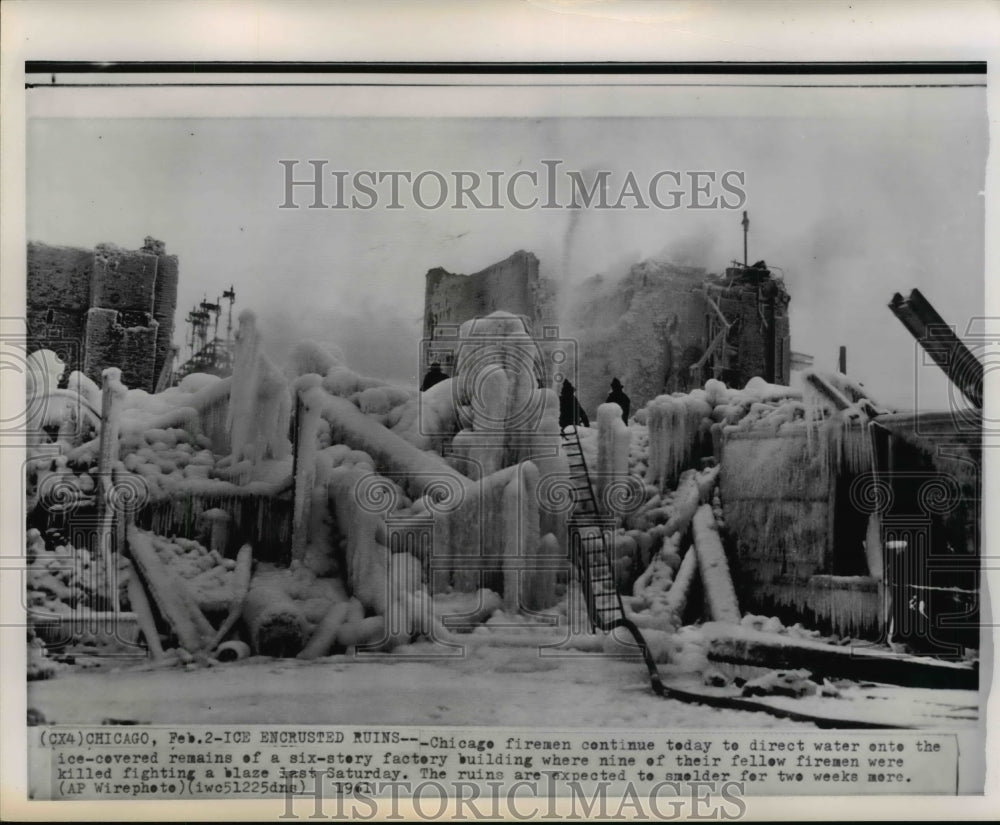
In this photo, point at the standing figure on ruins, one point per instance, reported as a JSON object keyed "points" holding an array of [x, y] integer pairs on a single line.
{"points": [[617, 396], [570, 411], [435, 375]]}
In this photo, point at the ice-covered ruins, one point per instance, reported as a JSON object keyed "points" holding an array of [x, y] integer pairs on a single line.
{"points": [[754, 542]]}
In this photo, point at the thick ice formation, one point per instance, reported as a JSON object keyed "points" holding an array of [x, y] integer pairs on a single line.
{"points": [[675, 426], [505, 416], [259, 401], [614, 441]]}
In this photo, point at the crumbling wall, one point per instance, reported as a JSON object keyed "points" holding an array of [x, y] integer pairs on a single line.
{"points": [[164, 301], [59, 276], [116, 305], [511, 285], [123, 279], [761, 332], [649, 328], [114, 337], [58, 290]]}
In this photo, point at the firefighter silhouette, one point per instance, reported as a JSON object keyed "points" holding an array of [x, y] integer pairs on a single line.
{"points": [[570, 411], [435, 375], [617, 396]]}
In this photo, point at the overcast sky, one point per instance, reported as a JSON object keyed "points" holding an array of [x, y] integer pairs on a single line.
{"points": [[857, 195]]}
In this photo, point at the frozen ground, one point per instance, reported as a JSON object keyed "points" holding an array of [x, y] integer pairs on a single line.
{"points": [[489, 686]]}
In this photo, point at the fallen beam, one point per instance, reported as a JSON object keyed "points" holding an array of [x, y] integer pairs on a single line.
{"points": [[694, 490], [171, 597], [680, 590], [143, 611], [325, 634], [750, 647], [411, 468], [241, 586], [941, 343], [720, 595]]}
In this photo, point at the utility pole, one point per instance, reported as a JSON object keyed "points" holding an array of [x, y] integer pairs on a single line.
{"points": [[746, 229], [842, 363]]}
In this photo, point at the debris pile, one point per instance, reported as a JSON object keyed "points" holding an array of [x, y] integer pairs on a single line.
{"points": [[62, 578]]}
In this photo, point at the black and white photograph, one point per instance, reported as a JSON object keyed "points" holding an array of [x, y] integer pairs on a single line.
{"points": [[602, 432]]}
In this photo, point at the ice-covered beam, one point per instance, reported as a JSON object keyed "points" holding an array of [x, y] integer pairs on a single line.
{"points": [[720, 596], [413, 469], [173, 600], [112, 398]]}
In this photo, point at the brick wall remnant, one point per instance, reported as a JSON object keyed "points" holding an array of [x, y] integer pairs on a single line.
{"points": [[117, 305]]}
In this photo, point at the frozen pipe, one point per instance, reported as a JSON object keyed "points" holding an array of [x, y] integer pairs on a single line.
{"points": [[274, 622], [232, 651]]}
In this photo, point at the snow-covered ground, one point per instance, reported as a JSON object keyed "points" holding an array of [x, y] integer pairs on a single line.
{"points": [[488, 686]]}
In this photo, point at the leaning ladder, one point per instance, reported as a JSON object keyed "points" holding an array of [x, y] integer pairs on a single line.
{"points": [[590, 554]]}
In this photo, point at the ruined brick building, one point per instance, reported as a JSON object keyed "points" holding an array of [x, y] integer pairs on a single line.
{"points": [[512, 285], [115, 305], [661, 329]]}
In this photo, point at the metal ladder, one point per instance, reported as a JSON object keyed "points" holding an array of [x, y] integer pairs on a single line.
{"points": [[589, 551]]}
